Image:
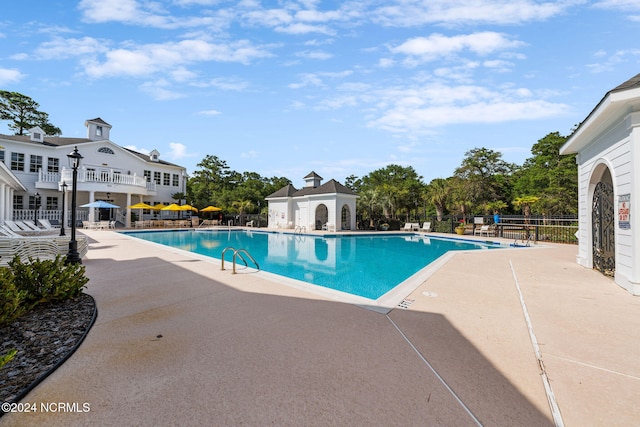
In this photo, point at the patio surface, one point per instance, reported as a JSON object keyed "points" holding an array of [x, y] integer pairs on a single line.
{"points": [[179, 342]]}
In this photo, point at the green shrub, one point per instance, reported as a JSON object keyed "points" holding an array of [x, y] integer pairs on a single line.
{"points": [[48, 280], [11, 298], [8, 357]]}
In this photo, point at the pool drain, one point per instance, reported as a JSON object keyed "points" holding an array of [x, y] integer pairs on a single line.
{"points": [[406, 303]]}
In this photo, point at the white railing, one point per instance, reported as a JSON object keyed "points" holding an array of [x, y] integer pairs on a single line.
{"points": [[110, 177], [48, 176], [51, 215]]}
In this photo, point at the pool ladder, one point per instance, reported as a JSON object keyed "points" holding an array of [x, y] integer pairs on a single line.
{"points": [[238, 253], [300, 229]]}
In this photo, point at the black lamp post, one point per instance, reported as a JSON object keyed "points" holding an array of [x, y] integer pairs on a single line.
{"points": [[36, 200], [64, 196], [73, 257]]}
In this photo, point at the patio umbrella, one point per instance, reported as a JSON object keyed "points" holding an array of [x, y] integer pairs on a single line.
{"points": [[101, 204], [188, 208], [158, 207], [210, 209], [171, 207], [140, 206]]}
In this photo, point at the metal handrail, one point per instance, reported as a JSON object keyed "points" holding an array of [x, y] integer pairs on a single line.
{"points": [[300, 229], [240, 252], [236, 253]]}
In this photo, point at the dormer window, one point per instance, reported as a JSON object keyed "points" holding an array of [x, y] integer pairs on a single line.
{"points": [[99, 131], [105, 150], [154, 156], [37, 134]]}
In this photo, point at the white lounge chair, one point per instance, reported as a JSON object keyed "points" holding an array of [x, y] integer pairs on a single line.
{"points": [[21, 228], [329, 227], [484, 230], [426, 227], [46, 224]]}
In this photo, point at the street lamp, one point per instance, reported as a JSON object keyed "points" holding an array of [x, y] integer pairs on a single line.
{"points": [[36, 200], [73, 257], [64, 196]]}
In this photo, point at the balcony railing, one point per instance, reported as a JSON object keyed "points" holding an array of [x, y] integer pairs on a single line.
{"points": [[90, 176]]}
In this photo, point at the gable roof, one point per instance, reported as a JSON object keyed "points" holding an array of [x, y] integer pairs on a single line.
{"points": [[312, 174], [616, 104], [59, 141], [97, 120], [329, 187], [286, 191]]}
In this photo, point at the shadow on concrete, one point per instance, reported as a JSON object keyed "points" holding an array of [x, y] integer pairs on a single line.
{"points": [[180, 347]]}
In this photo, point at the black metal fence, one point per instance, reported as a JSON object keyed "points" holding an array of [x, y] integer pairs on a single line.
{"points": [[558, 229]]}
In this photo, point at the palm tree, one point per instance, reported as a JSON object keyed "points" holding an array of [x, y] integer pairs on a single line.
{"points": [[438, 192], [242, 206], [369, 200], [525, 202]]}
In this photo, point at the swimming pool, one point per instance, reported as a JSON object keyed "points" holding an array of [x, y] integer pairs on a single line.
{"points": [[365, 265]]}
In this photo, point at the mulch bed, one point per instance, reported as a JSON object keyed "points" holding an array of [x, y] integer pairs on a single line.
{"points": [[44, 337]]}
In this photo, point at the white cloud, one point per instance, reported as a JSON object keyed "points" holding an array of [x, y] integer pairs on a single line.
{"points": [[62, 48], [625, 5], [407, 13], [251, 154], [10, 75], [178, 151], [208, 113], [158, 90], [145, 13], [152, 58], [139, 150], [437, 45], [419, 109], [301, 28], [314, 55]]}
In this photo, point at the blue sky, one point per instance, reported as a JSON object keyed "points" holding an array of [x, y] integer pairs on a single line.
{"points": [[283, 88]]}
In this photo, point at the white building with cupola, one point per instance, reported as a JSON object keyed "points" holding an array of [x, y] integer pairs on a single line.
{"points": [[330, 206], [35, 175]]}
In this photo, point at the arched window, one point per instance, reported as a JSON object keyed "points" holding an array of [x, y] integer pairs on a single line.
{"points": [[105, 150]]}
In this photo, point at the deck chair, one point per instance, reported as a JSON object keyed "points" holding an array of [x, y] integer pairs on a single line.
{"points": [[21, 228], [407, 226], [426, 227], [29, 226], [484, 230], [46, 224]]}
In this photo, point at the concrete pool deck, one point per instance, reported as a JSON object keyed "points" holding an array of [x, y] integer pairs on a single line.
{"points": [[179, 342]]}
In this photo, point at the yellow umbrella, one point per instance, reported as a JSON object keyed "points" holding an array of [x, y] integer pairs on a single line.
{"points": [[188, 208], [140, 206], [171, 207], [158, 206], [210, 209]]}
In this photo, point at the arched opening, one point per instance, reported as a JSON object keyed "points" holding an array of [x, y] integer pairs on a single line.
{"points": [[322, 216], [345, 220], [603, 223]]}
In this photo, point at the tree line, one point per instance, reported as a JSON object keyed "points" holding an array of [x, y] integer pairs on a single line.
{"points": [[483, 184]]}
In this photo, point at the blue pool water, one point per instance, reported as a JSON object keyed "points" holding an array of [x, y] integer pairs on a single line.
{"points": [[364, 265]]}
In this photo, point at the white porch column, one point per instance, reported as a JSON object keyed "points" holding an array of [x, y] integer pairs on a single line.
{"points": [[92, 195], [9, 192], [5, 203], [127, 219], [67, 212]]}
